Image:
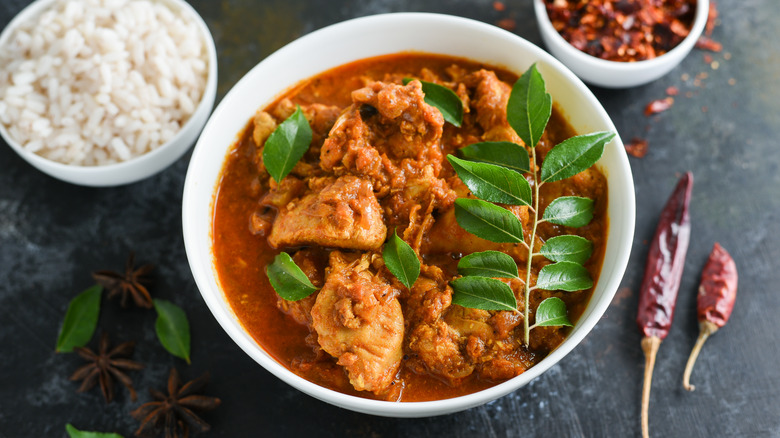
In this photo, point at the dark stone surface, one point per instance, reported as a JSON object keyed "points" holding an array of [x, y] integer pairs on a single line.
{"points": [[52, 234]]}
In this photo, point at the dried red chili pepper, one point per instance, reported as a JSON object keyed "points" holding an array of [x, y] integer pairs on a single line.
{"points": [[717, 293], [658, 106], [661, 282]]}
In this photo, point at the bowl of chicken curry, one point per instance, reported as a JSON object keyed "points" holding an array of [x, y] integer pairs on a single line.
{"points": [[408, 214]]}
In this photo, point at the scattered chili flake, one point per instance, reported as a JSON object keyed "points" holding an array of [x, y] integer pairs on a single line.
{"points": [[499, 6], [507, 24], [727, 56], [712, 18], [623, 30], [637, 147], [659, 105], [685, 76], [689, 94], [704, 109], [706, 43], [715, 65], [732, 81], [672, 91], [707, 58]]}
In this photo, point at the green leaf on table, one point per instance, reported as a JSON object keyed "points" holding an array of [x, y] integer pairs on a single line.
{"points": [[488, 264], [483, 293], [443, 99], [571, 211], [567, 249], [80, 320], [75, 433], [492, 183], [286, 145], [529, 107], [574, 155], [551, 312], [488, 221], [287, 279], [173, 328], [501, 153], [401, 260], [568, 276]]}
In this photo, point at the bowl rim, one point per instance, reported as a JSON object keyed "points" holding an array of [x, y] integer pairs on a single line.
{"points": [[213, 295], [699, 22], [207, 100]]}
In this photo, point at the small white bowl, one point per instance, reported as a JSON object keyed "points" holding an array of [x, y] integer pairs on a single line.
{"points": [[373, 36], [143, 166], [615, 74]]}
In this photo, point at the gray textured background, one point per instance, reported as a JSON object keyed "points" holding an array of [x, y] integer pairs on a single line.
{"points": [[52, 234]]}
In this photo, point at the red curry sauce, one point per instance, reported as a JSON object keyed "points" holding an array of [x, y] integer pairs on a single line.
{"points": [[241, 254]]}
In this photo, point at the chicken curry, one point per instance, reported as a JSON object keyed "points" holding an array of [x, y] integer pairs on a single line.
{"points": [[376, 165]]}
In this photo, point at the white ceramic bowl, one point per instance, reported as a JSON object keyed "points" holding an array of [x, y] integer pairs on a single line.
{"points": [[372, 36], [614, 74], [144, 165]]}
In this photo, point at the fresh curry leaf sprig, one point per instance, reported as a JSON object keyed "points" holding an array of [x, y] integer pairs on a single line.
{"points": [[75, 433], [288, 280], [528, 111]]}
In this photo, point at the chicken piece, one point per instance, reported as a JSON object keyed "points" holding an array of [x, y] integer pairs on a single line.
{"points": [[282, 193], [264, 126], [437, 347], [489, 102], [343, 214], [359, 321], [429, 297], [320, 117], [386, 123]]}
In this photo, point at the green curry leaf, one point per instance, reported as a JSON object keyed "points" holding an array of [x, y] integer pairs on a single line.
{"points": [[567, 249], [551, 312], [529, 107], [493, 183], [571, 211], [80, 320], [488, 221], [568, 276], [173, 328], [286, 145], [287, 279], [75, 433], [488, 264], [483, 293], [574, 155], [401, 260], [443, 99], [501, 153]]}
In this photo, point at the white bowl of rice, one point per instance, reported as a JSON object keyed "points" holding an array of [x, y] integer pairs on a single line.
{"points": [[105, 92]]}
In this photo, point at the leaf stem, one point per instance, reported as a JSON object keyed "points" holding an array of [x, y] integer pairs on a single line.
{"points": [[528, 288]]}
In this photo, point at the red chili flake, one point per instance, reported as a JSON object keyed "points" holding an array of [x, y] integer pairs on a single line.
{"points": [[706, 43], [659, 105], [499, 6], [704, 109], [507, 24], [707, 58], [637, 147], [672, 91], [712, 17], [623, 30]]}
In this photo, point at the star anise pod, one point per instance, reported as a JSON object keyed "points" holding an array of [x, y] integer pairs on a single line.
{"points": [[173, 413], [105, 366], [128, 284]]}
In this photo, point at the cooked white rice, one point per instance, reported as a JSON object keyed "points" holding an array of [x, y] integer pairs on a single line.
{"points": [[93, 82]]}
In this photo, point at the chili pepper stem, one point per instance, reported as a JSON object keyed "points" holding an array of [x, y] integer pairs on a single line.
{"points": [[706, 328], [650, 346]]}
